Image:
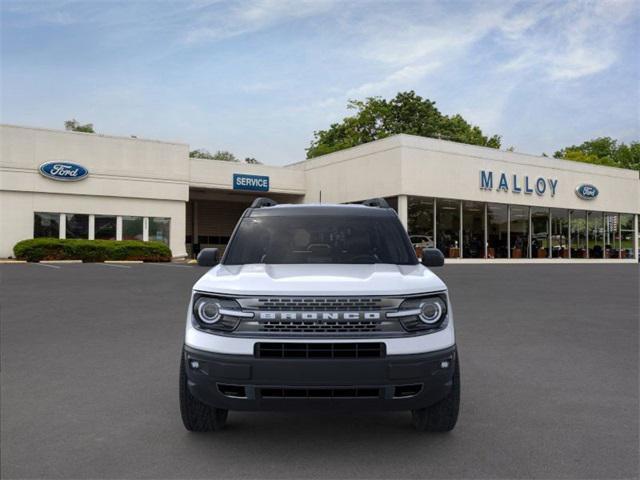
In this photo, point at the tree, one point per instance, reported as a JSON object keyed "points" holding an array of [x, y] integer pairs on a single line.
{"points": [[603, 151], [219, 155], [74, 126], [377, 118], [252, 161]]}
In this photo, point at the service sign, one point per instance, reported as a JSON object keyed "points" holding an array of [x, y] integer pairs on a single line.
{"points": [[63, 171], [586, 191], [254, 183]]}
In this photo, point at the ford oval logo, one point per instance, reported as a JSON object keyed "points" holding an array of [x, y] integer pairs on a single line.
{"points": [[586, 191], [64, 171]]}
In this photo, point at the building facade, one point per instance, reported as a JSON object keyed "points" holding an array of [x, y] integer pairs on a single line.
{"points": [[470, 202]]}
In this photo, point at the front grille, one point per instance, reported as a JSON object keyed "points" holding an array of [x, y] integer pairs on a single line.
{"points": [[323, 304], [318, 392], [320, 326], [320, 350]]}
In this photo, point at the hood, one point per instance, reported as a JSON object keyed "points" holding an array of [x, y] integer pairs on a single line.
{"points": [[319, 279]]}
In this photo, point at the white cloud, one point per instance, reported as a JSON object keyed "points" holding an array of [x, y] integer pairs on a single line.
{"points": [[252, 16], [405, 77], [565, 41]]}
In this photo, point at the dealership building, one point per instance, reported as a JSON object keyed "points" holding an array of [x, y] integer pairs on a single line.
{"points": [[470, 202]]}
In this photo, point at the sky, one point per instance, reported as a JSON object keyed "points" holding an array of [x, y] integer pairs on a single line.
{"points": [[258, 77]]}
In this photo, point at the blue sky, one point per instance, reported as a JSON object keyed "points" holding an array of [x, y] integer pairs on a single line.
{"points": [[258, 77]]}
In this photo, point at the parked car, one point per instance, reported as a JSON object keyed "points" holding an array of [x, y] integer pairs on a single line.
{"points": [[319, 307]]}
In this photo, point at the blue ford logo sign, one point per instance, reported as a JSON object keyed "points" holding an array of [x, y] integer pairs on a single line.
{"points": [[255, 183], [586, 191], [63, 171]]}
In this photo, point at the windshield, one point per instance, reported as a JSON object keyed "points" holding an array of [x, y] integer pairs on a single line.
{"points": [[342, 239]]}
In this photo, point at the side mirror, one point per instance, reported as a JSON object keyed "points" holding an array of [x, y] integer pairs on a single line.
{"points": [[432, 257], [208, 257]]}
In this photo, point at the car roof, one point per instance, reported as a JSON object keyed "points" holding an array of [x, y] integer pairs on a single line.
{"points": [[327, 209]]}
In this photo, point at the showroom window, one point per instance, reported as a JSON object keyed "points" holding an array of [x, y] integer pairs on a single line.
{"points": [[611, 235], [46, 225], [497, 230], [77, 225], [132, 228], [105, 227], [519, 242], [595, 237], [473, 230], [579, 234], [159, 229], [626, 235], [420, 222], [559, 233], [539, 232], [448, 227]]}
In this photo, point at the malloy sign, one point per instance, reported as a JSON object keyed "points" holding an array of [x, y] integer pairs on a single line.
{"points": [[518, 183]]}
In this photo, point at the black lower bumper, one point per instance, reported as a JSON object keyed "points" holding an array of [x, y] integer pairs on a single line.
{"points": [[241, 382]]}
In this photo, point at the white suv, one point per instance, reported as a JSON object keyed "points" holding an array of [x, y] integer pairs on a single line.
{"points": [[319, 307]]}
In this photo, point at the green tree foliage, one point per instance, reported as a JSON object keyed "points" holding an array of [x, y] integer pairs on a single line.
{"points": [[604, 151], [74, 126], [219, 155], [252, 161], [377, 118]]}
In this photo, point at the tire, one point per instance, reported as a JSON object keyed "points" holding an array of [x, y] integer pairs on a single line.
{"points": [[442, 416], [198, 416]]}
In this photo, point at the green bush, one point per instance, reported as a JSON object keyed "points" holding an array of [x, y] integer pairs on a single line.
{"points": [[36, 249]]}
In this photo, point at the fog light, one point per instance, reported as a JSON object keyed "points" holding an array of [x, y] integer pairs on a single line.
{"points": [[194, 364], [444, 364]]}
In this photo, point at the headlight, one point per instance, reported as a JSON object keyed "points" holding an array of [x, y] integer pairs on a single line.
{"points": [[208, 310], [431, 310], [217, 313], [422, 313]]}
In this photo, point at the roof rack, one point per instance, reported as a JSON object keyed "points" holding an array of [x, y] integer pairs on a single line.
{"points": [[263, 202], [376, 202]]}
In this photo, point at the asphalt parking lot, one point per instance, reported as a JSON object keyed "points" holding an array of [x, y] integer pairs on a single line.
{"points": [[90, 370]]}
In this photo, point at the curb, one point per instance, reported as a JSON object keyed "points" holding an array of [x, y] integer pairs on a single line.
{"points": [[11, 262], [60, 261], [123, 261]]}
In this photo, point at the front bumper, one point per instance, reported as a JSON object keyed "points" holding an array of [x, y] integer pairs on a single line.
{"points": [[243, 382]]}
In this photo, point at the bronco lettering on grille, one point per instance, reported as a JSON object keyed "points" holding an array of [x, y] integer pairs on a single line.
{"points": [[319, 315]]}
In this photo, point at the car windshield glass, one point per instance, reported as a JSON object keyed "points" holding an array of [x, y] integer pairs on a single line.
{"points": [[341, 239]]}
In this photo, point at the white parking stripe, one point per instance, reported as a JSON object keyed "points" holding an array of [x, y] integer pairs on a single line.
{"points": [[171, 265], [48, 265], [113, 265]]}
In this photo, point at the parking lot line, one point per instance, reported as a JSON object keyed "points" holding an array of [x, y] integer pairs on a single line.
{"points": [[113, 265], [171, 265], [47, 265]]}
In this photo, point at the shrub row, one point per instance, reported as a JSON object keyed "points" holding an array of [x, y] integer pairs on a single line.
{"points": [[36, 249]]}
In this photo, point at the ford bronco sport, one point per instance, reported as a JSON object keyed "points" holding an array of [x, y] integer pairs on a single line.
{"points": [[319, 307]]}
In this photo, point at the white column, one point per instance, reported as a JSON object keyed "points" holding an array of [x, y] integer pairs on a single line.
{"points": [[530, 235], [435, 223], [194, 233], [570, 231], [92, 227], [486, 234], [635, 237], [509, 231], [118, 228], [63, 226], [461, 231], [403, 211], [145, 229]]}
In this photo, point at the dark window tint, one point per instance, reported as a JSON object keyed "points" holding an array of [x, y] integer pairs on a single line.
{"points": [[159, 229], [46, 225], [105, 227], [132, 228], [320, 239], [77, 226]]}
